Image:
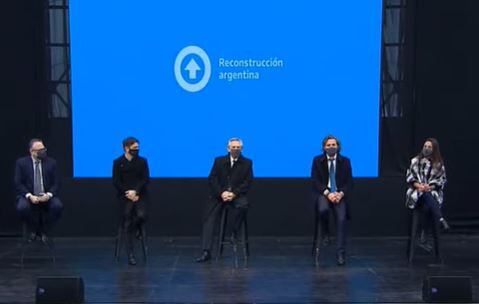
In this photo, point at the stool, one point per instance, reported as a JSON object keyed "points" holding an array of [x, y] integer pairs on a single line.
{"points": [[221, 239], [416, 215], [119, 241], [26, 244]]}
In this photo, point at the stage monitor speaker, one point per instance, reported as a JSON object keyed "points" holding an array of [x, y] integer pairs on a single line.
{"points": [[59, 290], [447, 289]]}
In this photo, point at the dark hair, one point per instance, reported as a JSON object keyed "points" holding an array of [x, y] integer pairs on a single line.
{"points": [[331, 137], [33, 141], [436, 157], [127, 142]]}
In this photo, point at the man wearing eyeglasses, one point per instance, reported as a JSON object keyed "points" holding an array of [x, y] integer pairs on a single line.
{"points": [[36, 184]]}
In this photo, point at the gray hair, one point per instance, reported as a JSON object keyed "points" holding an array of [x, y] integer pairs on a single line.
{"points": [[235, 139], [33, 141]]}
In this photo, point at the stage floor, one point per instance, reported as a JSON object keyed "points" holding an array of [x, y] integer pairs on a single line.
{"points": [[280, 270]]}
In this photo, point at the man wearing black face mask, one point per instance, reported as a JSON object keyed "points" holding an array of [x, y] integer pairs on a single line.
{"points": [[36, 185], [332, 178], [230, 180], [130, 177]]}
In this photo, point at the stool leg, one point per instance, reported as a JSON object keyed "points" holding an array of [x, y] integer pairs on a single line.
{"points": [[24, 243], [317, 236], [51, 247], [435, 233], [144, 244], [412, 236], [118, 243], [221, 236], [245, 238]]}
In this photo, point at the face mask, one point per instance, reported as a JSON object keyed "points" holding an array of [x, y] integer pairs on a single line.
{"points": [[134, 152], [42, 154], [331, 151], [426, 151], [235, 153]]}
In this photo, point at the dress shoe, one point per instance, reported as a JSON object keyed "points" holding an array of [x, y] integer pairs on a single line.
{"points": [[32, 237], [445, 225], [206, 256], [131, 259], [341, 259], [326, 241], [45, 239]]}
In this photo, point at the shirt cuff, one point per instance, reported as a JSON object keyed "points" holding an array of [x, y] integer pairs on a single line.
{"points": [[27, 196], [50, 194], [326, 192]]}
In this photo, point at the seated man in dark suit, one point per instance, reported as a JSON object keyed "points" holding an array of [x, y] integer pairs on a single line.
{"points": [[332, 178], [36, 185], [130, 178], [229, 181]]}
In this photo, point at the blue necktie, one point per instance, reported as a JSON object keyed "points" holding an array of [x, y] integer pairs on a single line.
{"points": [[332, 176]]}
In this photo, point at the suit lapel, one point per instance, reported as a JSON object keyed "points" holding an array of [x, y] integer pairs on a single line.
{"points": [[324, 164], [339, 164], [29, 163], [227, 162]]}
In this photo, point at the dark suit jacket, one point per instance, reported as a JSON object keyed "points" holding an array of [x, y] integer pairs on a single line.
{"points": [[23, 178], [320, 175], [222, 176]]}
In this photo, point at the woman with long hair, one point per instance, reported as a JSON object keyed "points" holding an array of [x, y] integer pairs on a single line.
{"points": [[426, 178]]}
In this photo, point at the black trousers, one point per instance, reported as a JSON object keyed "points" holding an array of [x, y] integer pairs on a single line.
{"points": [[429, 203], [30, 213], [324, 206], [236, 214], [133, 216]]}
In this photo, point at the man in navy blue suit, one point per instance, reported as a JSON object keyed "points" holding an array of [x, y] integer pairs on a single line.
{"points": [[36, 185], [332, 178]]}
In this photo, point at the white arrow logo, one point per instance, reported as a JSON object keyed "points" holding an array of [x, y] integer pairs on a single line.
{"points": [[192, 67]]}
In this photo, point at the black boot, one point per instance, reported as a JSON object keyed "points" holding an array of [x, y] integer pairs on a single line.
{"points": [[206, 256]]}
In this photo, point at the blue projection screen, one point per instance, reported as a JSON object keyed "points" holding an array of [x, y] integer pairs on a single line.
{"points": [[185, 76]]}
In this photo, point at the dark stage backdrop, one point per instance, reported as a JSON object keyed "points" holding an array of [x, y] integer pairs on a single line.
{"points": [[438, 99]]}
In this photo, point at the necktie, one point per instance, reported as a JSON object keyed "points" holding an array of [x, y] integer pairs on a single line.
{"points": [[37, 179], [332, 176], [233, 162]]}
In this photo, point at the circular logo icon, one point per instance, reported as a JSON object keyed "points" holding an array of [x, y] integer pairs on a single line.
{"points": [[193, 68]]}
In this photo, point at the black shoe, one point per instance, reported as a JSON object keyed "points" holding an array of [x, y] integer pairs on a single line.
{"points": [[45, 239], [131, 259], [341, 259], [445, 225], [32, 237], [206, 256], [326, 241]]}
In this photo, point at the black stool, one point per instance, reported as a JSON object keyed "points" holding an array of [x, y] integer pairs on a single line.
{"points": [[221, 239], [416, 215], [27, 244], [119, 241]]}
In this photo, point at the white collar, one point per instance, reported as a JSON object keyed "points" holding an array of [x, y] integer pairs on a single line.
{"points": [[332, 157]]}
